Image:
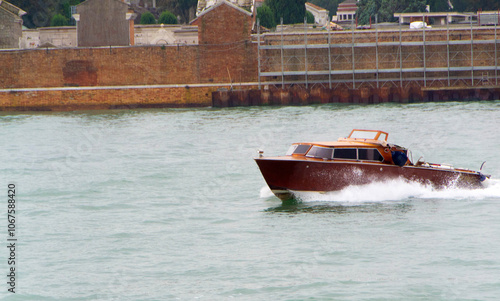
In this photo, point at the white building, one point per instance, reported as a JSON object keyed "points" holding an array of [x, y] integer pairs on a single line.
{"points": [[60, 37], [166, 35], [320, 14], [65, 36], [346, 11], [205, 4]]}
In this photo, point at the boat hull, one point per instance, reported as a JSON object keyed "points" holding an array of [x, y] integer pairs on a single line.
{"points": [[284, 175]]}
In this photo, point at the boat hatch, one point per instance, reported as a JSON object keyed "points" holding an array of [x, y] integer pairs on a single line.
{"points": [[368, 134]]}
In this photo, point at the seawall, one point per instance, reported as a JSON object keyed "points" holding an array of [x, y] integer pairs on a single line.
{"points": [[100, 98], [299, 96]]}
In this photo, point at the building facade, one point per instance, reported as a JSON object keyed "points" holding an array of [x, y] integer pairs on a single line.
{"points": [[213, 24], [11, 24], [346, 11], [104, 23], [165, 35]]}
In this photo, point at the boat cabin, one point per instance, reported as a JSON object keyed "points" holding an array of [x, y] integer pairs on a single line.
{"points": [[360, 145]]}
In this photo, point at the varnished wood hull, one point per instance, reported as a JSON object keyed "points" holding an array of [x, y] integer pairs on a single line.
{"points": [[284, 174]]}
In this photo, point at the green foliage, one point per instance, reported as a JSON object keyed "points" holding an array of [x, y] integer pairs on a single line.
{"points": [[65, 7], [292, 11], [475, 5], [385, 9], [186, 4], [438, 5], [59, 20], [309, 17], [182, 8], [266, 17], [167, 17], [367, 9], [147, 18]]}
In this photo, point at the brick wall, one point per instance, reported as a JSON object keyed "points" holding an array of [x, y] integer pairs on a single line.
{"points": [[223, 24], [225, 54], [112, 98], [144, 65]]}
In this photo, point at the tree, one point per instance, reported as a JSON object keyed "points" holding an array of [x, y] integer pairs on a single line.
{"points": [[292, 11], [65, 9], [58, 20], [309, 17], [367, 9], [148, 18], [184, 6], [438, 5], [385, 9], [266, 16], [167, 17]]}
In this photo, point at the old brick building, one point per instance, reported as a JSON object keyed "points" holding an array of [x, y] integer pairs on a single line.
{"points": [[223, 22], [104, 23], [227, 53], [10, 25]]}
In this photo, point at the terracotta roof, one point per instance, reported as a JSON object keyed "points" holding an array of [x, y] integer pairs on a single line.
{"points": [[349, 9], [348, 5], [349, 2]]}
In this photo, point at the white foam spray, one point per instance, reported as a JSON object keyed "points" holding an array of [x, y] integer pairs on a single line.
{"points": [[394, 190], [265, 192]]}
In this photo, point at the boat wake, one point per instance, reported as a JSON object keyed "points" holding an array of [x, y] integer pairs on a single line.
{"points": [[394, 191]]}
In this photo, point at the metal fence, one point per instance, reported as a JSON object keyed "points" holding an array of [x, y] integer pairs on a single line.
{"points": [[443, 57]]}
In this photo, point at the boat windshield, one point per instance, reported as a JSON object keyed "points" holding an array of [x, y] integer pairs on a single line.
{"points": [[365, 134], [299, 149]]}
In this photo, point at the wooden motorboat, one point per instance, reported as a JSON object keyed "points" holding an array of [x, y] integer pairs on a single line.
{"points": [[363, 157]]}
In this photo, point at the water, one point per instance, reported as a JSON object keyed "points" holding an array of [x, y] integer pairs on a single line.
{"points": [[169, 205]]}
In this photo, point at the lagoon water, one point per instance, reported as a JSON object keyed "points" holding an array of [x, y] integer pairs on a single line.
{"points": [[168, 204]]}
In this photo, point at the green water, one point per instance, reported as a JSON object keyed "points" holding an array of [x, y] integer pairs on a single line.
{"points": [[169, 205]]}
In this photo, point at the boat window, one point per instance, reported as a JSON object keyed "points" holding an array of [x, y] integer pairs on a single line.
{"points": [[291, 149], [320, 152], [368, 134], [364, 134], [370, 154], [345, 153], [298, 149], [302, 149]]}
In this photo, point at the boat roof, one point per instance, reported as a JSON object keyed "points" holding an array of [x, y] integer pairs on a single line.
{"points": [[358, 137]]}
